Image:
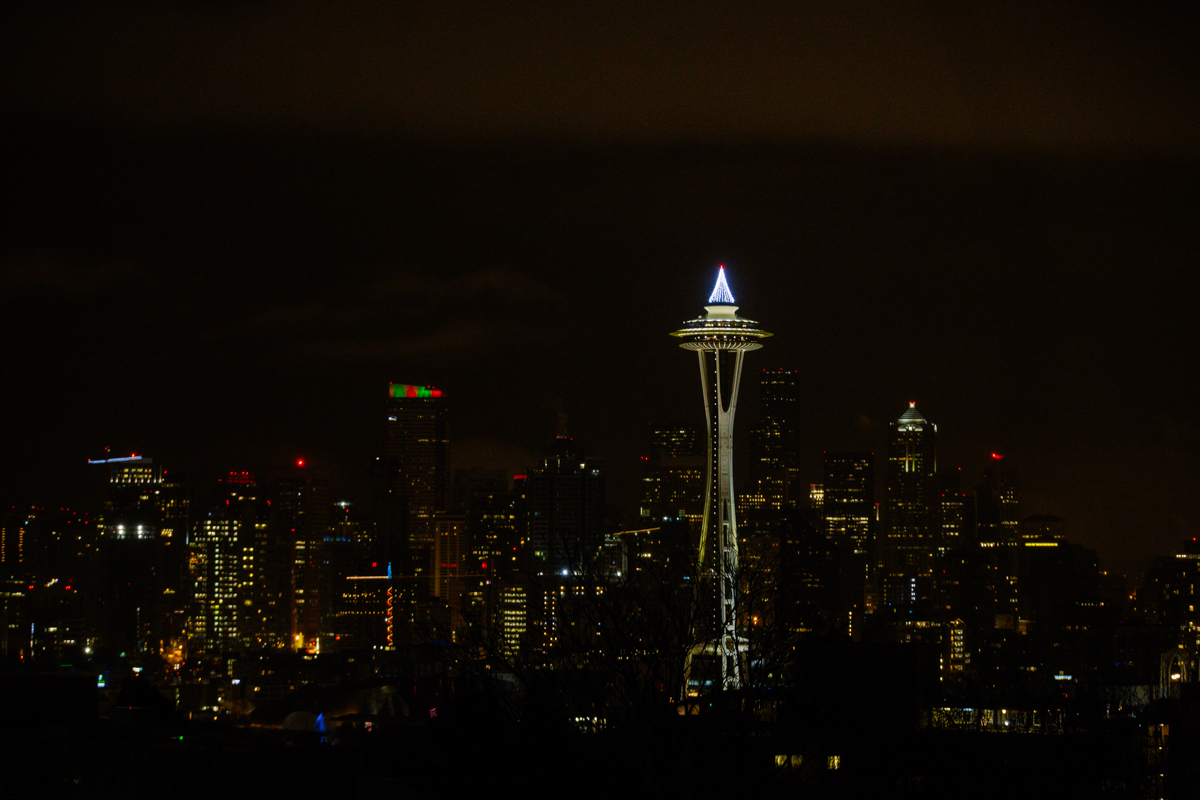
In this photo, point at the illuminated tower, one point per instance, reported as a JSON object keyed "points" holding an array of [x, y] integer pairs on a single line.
{"points": [[720, 339], [910, 547]]}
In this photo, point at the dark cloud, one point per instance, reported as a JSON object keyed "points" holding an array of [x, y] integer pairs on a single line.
{"points": [[56, 271], [1012, 75], [411, 315]]}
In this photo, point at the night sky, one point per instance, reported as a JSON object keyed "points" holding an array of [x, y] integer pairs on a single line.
{"points": [[230, 225]]}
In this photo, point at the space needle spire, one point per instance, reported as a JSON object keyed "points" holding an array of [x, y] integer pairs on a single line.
{"points": [[720, 338]]}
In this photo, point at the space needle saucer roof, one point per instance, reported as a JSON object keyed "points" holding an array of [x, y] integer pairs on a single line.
{"points": [[720, 328]]}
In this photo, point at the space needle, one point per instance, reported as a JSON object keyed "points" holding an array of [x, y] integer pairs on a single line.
{"points": [[720, 339]]}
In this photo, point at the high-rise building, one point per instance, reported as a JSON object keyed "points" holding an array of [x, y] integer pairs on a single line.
{"points": [[996, 502], [775, 448], [301, 514], [355, 584], [217, 583], [362, 610], [673, 477], [720, 339], [452, 565], [848, 521], [910, 545], [565, 502], [953, 510], [141, 537], [236, 590], [566, 510], [413, 487], [848, 499], [415, 453], [48, 579]]}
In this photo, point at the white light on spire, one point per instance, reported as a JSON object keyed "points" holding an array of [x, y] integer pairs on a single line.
{"points": [[720, 292]]}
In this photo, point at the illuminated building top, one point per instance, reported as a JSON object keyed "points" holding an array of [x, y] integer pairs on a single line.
{"points": [[720, 292], [720, 328], [911, 420], [408, 390]]}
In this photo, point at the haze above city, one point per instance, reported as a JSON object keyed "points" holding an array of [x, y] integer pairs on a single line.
{"points": [[233, 225]]}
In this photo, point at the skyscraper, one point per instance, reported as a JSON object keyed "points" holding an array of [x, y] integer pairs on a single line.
{"points": [[566, 505], [775, 461], [910, 546], [848, 506], [414, 481], [140, 557], [301, 515], [996, 502], [242, 582], [848, 499], [415, 454], [720, 339], [673, 481]]}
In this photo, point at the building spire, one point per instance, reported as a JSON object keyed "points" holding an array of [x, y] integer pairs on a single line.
{"points": [[720, 292]]}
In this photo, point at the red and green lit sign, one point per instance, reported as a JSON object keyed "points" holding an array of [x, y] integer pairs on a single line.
{"points": [[406, 390]]}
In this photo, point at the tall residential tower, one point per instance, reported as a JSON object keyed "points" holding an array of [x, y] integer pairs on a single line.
{"points": [[720, 339]]}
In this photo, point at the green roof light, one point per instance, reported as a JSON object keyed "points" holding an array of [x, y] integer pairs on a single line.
{"points": [[408, 390]]}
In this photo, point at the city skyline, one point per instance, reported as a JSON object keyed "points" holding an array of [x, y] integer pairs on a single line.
{"points": [[345, 436], [218, 259]]}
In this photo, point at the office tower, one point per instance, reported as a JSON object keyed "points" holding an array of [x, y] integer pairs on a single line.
{"points": [[848, 520], [996, 501], [415, 453], [811, 582], [910, 545], [235, 590], [1168, 592], [497, 528], [13, 530], [673, 477], [496, 532], [131, 576], [848, 499], [46, 582], [354, 583], [451, 567], [175, 519], [412, 487], [774, 444], [362, 611], [720, 339], [953, 510], [301, 506], [1042, 528], [566, 510], [513, 617]]}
